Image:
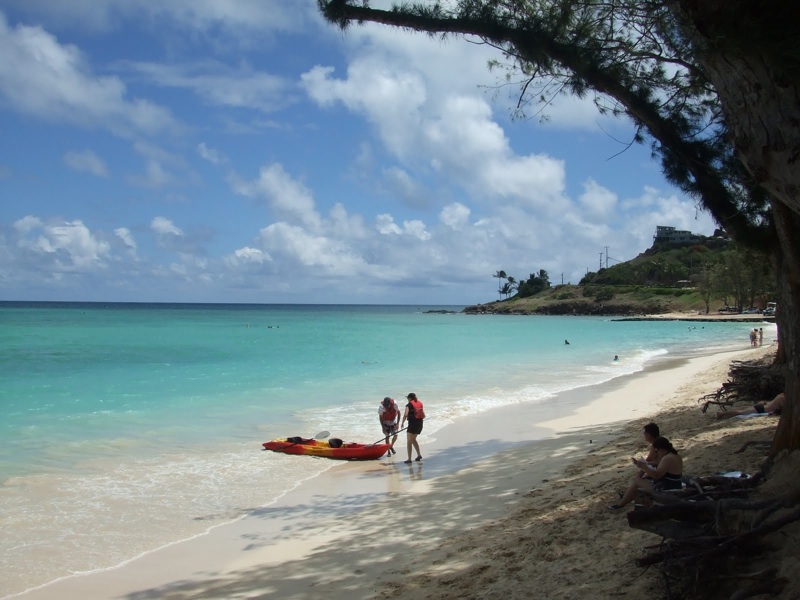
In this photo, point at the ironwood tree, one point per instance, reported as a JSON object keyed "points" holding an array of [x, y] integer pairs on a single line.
{"points": [[712, 85]]}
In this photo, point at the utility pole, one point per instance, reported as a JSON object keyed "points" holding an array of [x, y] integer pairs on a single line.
{"points": [[601, 261], [562, 279], [606, 257]]}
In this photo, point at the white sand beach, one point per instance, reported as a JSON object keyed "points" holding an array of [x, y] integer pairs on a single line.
{"points": [[504, 504]]}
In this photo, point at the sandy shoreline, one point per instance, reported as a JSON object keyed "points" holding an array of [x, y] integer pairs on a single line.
{"points": [[529, 512], [703, 317]]}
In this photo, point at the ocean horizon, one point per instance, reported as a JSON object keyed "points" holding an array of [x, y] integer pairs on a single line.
{"points": [[130, 426]]}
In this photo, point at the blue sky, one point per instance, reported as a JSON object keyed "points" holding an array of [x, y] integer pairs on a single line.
{"points": [[246, 151]]}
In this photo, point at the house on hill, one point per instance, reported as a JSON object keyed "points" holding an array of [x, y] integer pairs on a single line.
{"points": [[670, 235]]}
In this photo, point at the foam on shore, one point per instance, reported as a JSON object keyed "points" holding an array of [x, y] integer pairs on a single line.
{"points": [[339, 534]]}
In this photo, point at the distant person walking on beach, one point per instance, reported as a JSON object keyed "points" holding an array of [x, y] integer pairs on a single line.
{"points": [[414, 414], [389, 418], [760, 336], [754, 338]]}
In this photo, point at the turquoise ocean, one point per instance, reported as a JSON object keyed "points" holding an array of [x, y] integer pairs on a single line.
{"points": [[127, 427]]}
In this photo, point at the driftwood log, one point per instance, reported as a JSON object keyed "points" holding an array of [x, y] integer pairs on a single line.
{"points": [[748, 381], [710, 532], [698, 556]]}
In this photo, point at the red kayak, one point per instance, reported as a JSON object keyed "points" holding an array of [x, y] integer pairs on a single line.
{"points": [[333, 448]]}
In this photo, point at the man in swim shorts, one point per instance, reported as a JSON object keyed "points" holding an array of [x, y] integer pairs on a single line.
{"points": [[389, 418]]}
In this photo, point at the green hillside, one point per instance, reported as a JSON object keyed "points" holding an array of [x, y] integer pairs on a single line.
{"points": [[613, 300], [703, 276]]}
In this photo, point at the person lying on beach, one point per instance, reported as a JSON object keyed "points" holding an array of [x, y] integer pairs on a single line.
{"points": [[667, 475], [773, 407]]}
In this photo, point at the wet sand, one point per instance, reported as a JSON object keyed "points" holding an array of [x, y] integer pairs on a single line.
{"points": [[504, 500]]}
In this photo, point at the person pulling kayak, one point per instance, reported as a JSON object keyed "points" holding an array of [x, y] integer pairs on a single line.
{"points": [[389, 418]]}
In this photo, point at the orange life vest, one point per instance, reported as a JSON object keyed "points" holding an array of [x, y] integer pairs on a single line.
{"points": [[419, 411], [389, 414]]}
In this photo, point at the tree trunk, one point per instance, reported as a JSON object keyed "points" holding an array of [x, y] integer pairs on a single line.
{"points": [[759, 90], [748, 50], [787, 224]]}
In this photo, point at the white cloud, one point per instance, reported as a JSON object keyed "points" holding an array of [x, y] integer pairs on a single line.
{"points": [[164, 227], [190, 247], [237, 18], [86, 161], [296, 246], [289, 198], [459, 196], [653, 208], [453, 136], [598, 201], [456, 67], [455, 215], [247, 255], [210, 154], [161, 168], [417, 229], [219, 84], [343, 225], [390, 99], [402, 184], [51, 81], [66, 246], [125, 235], [27, 224], [386, 226]]}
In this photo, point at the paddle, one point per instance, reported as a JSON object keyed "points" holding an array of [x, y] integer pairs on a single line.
{"points": [[320, 436], [383, 439]]}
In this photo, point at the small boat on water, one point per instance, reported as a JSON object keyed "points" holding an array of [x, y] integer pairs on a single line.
{"points": [[333, 448]]}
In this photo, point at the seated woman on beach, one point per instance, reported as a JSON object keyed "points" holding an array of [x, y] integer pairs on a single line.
{"points": [[666, 475], [650, 433], [773, 407]]}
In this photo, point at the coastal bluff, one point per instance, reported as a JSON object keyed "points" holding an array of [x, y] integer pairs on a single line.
{"points": [[621, 311], [577, 308]]}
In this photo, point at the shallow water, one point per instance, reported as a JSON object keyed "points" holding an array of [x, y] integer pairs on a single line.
{"points": [[128, 427]]}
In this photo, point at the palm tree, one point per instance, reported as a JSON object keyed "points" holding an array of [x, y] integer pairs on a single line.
{"points": [[500, 276], [545, 278], [513, 285]]}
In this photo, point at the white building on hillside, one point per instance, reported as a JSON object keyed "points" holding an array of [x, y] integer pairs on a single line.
{"points": [[671, 235]]}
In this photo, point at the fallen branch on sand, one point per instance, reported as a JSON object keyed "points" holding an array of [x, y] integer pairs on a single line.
{"points": [[693, 551], [759, 443], [747, 381]]}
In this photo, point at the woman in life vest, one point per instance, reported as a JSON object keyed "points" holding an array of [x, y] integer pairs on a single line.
{"points": [[414, 414], [389, 418]]}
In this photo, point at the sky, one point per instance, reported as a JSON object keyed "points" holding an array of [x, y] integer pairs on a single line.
{"points": [[246, 151]]}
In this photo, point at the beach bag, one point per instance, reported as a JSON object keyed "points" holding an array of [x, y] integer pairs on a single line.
{"points": [[419, 411]]}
